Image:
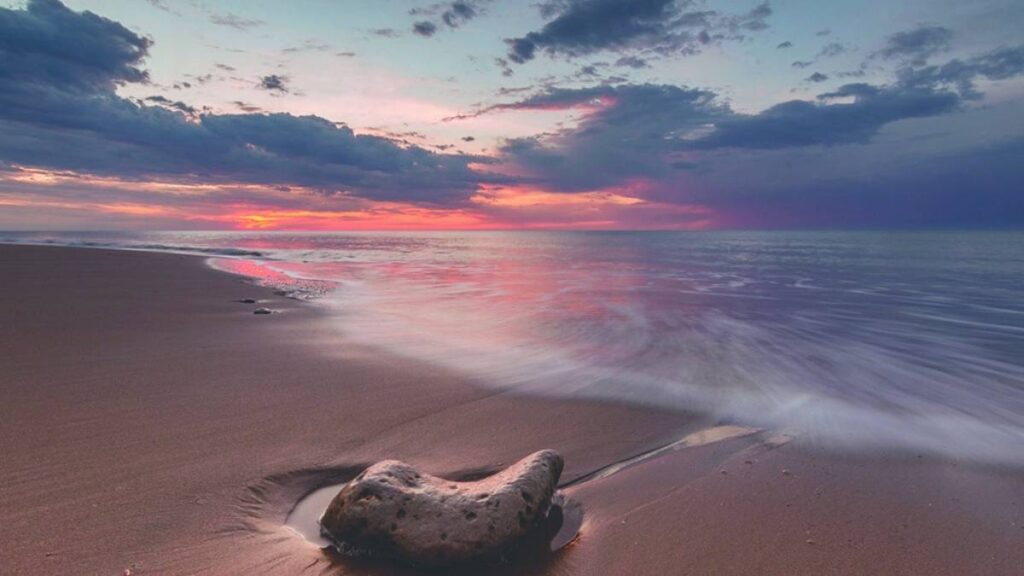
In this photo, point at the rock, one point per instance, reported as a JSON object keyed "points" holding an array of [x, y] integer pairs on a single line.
{"points": [[261, 311], [392, 507], [246, 301]]}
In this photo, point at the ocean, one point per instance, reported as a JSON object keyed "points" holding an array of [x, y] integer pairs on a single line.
{"points": [[865, 340]]}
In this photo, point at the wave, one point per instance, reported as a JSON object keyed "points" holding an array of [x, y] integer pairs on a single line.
{"points": [[114, 245], [862, 340]]}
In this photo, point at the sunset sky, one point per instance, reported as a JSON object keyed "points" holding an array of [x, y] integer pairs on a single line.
{"points": [[467, 114]]}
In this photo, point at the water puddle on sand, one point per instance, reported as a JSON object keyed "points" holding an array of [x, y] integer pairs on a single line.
{"points": [[305, 517], [698, 438]]}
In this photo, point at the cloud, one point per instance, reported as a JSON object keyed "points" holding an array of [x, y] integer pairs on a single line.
{"points": [[832, 50], [626, 132], [310, 45], [385, 32], [998, 64], [583, 27], [274, 83], [917, 44], [817, 77], [506, 69], [48, 44], [234, 21], [59, 70], [60, 110], [246, 107], [629, 132], [786, 44], [632, 62], [161, 5], [972, 187], [172, 104], [686, 146], [853, 113], [458, 13], [451, 14], [424, 28], [828, 51]]}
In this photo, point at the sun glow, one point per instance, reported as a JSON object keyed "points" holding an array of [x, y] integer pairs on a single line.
{"points": [[517, 197], [247, 206]]}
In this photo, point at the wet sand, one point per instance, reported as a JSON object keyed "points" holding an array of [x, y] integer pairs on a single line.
{"points": [[150, 422]]}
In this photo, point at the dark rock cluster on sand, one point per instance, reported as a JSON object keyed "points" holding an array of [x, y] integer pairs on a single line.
{"points": [[428, 520], [261, 311]]}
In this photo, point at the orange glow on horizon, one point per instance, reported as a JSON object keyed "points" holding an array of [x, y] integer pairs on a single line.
{"points": [[107, 208], [216, 205], [399, 217], [513, 197]]}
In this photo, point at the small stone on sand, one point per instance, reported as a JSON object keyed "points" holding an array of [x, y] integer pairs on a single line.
{"points": [[261, 311], [427, 520]]}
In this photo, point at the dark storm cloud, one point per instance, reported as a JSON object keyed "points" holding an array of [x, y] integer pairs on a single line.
{"points": [[582, 27], [917, 44], [58, 110], [424, 28], [274, 83]]}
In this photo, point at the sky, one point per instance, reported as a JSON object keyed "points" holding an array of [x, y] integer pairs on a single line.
{"points": [[511, 114]]}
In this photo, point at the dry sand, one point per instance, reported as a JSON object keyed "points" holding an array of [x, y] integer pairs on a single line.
{"points": [[149, 422]]}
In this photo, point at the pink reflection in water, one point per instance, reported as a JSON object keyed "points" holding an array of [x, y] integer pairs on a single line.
{"points": [[264, 275]]}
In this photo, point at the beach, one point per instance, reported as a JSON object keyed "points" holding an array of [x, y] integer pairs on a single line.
{"points": [[151, 423]]}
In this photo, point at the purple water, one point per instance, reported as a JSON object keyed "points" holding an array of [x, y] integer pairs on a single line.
{"points": [[912, 340]]}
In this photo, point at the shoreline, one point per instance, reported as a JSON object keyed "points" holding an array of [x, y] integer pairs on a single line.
{"points": [[168, 430]]}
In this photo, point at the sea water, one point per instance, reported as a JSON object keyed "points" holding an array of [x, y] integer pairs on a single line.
{"points": [[910, 340]]}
